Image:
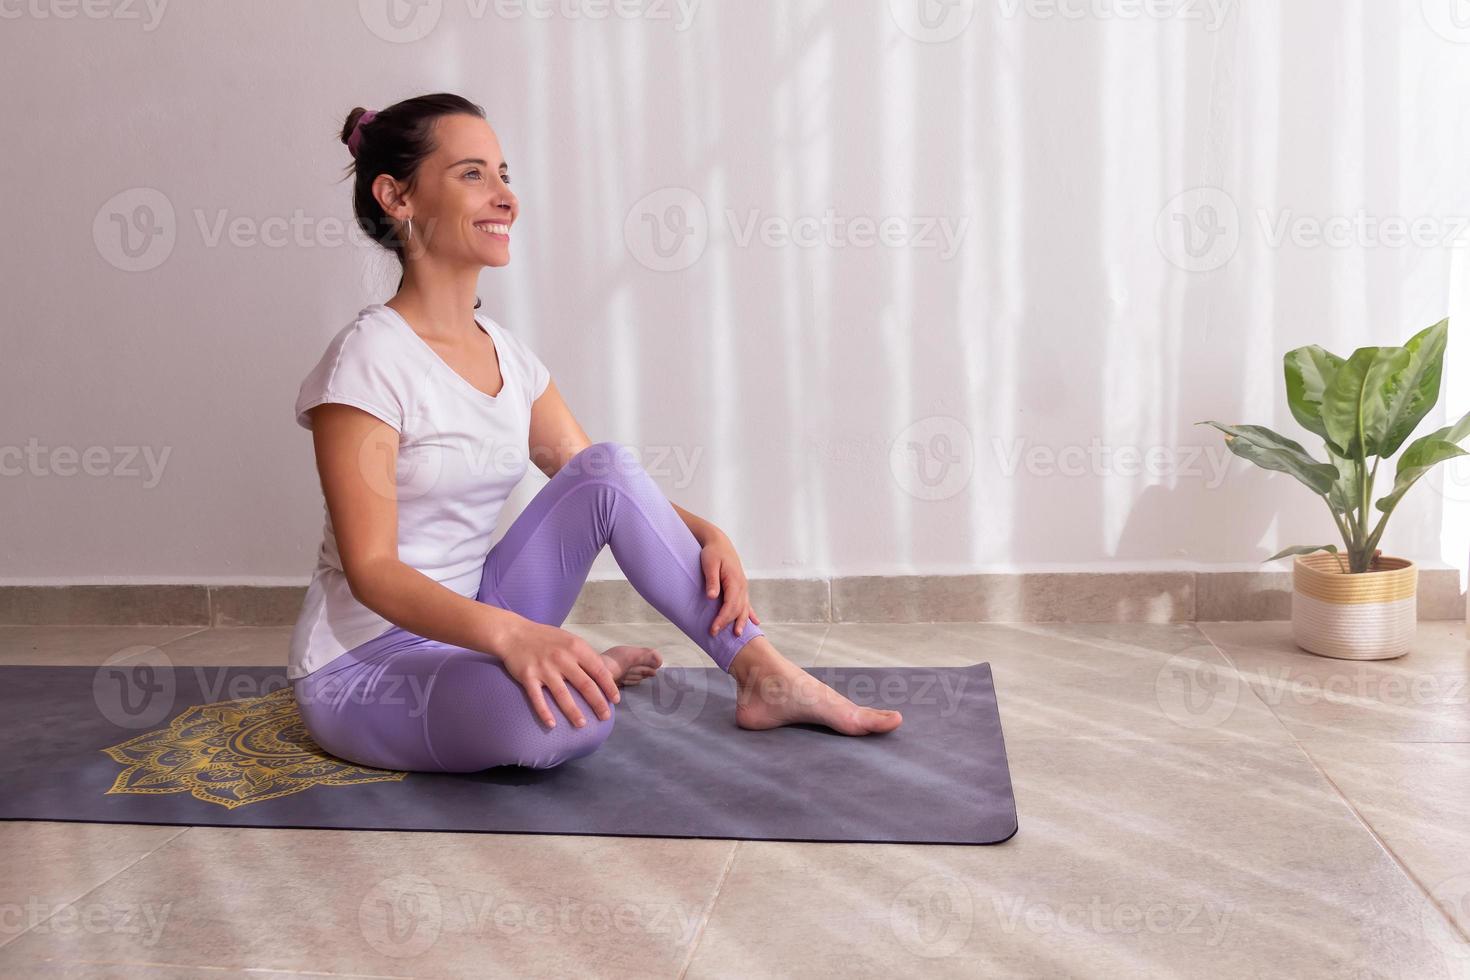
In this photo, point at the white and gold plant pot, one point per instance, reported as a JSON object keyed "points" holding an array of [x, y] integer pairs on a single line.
{"points": [[1368, 615]]}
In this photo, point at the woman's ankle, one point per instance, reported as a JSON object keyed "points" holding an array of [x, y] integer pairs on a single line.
{"points": [[754, 655]]}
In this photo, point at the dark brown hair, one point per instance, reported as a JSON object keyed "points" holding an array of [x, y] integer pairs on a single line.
{"points": [[395, 142]]}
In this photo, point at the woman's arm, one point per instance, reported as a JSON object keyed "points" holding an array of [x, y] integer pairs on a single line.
{"points": [[356, 457], [704, 531], [556, 437]]}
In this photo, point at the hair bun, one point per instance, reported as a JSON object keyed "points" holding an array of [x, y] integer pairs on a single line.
{"points": [[351, 123]]}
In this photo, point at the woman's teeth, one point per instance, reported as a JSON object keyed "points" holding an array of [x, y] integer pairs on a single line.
{"points": [[494, 228]]}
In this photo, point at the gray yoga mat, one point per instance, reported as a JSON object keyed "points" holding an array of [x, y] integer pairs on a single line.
{"points": [[225, 746]]}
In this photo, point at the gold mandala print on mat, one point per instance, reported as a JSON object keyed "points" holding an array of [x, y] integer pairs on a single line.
{"points": [[235, 752]]}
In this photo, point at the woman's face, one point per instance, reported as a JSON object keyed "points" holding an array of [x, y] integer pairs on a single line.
{"points": [[462, 205]]}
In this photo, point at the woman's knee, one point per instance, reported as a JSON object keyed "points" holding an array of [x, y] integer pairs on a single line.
{"points": [[605, 460], [481, 717], [540, 752]]}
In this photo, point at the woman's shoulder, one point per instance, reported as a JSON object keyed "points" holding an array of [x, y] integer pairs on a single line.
{"points": [[373, 324], [369, 334], [363, 365]]}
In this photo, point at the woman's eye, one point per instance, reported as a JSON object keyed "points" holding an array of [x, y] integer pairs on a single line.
{"points": [[505, 176]]}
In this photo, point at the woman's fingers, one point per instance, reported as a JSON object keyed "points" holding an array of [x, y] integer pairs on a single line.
{"points": [[719, 620], [538, 703], [604, 677], [734, 608], [711, 567], [593, 694], [563, 697]]}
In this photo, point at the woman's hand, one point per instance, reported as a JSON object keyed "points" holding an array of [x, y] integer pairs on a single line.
{"points": [[538, 655], [722, 572]]}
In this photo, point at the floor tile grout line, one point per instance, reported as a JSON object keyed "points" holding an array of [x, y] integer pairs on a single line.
{"points": [[1235, 669], [1383, 844], [147, 854], [709, 912], [821, 645], [185, 636], [1341, 795]]}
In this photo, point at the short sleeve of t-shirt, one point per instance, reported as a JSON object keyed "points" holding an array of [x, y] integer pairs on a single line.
{"points": [[351, 372], [540, 375]]}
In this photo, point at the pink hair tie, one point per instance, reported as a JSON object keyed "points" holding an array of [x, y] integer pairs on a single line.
{"points": [[355, 139]]}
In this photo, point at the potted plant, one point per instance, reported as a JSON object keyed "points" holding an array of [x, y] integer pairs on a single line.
{"points": [[1357, 603]]}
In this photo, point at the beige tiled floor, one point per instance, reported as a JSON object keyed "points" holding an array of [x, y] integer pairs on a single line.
{"points": [[1194, 799]]}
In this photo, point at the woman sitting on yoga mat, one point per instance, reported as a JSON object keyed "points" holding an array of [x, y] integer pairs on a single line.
{"points": [[421, 647]]}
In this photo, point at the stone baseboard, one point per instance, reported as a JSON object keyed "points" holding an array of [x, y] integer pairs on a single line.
{"points": [[1024, 597]]}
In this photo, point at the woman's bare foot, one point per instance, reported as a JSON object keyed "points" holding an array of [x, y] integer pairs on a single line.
{"points": [[773, 691], [630, 664]]}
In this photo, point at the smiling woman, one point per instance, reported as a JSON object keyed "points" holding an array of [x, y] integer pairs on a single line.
{"points": [[420, 646]]}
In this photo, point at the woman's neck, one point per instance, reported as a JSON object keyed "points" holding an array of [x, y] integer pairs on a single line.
{"points": [[442, 308]]}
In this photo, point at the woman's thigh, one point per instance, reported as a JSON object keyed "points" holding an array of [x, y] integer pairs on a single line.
{"points": [[424, 706]]}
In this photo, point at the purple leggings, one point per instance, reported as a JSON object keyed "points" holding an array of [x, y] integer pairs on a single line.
{"points": [[401, 701]]}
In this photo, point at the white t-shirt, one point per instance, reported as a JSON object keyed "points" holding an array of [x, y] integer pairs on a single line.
{"points": [[460, 453]]}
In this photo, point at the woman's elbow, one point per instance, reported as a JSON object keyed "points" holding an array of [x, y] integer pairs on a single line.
{"points": [[365, 579]]}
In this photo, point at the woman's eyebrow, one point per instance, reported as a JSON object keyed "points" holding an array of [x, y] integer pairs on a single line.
{"points": [[502, 165]]}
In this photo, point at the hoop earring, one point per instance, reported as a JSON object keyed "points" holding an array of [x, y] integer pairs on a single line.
{"points": [[410, 228]]}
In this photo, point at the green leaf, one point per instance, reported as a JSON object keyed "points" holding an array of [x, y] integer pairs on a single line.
{"points": [[1273, 451], [1303, 549], [1346, 494], [1355, 405], [1424, 454], [1309, 370], [1415, 389]]}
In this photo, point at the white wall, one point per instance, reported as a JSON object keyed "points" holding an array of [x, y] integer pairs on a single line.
{"points": [[1052, 136]]}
